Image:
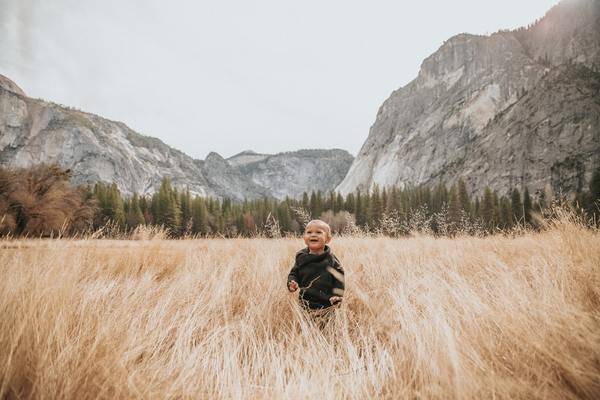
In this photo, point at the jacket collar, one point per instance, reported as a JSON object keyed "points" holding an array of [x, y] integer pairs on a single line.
{"points": [[304, 256]]}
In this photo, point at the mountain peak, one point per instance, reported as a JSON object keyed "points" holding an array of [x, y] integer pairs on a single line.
{"points": [[214, 156], [246, 153]]}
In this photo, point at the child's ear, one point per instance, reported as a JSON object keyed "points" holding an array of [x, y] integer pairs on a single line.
{"points": [[329, 237]]}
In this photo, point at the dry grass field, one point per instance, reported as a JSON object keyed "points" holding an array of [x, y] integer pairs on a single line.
{"points": [[423, 317]]}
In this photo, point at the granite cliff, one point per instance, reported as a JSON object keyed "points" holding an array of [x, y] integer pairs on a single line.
{"points": [[317, 169], [513, 109]]}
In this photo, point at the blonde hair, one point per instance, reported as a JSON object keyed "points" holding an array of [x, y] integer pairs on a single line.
{"points": [[320, 222]]}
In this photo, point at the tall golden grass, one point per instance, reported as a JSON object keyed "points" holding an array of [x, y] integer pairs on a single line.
{"points": [[496, 317]]}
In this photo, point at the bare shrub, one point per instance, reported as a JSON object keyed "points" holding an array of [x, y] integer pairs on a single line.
{"points": [[465, 226], [418, 222], [351, 228], [271, 228], [110, 230], [392, 224], [41, 202], [339, 222], [302, 215]]}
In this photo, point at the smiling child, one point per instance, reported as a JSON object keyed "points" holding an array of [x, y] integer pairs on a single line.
{"points": [[317, 272]]}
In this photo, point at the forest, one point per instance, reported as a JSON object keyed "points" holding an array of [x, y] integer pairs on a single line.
{"points": [[41, 202]]}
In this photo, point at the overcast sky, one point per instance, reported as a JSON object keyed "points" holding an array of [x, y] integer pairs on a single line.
{"points": [[227, 76]]}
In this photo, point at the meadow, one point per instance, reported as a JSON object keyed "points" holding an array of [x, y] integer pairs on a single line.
{"points": [[501, 316]]}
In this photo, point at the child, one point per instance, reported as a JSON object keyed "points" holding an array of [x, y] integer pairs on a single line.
{"points": [[317, 272]]}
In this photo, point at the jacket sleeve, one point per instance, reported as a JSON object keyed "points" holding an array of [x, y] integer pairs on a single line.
{"points": [[338, 278], [293, 275]]}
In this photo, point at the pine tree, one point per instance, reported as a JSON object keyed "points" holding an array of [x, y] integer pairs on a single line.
{"points": [[404, 203], [350, 204], [505, 214], [384, 200], [228, 217], [305, 202], [463, 197], [168, 212], [339, 202], [517, 206], [99, 194], [440, 197], [594, 196], [426, 198], [320, 204], [172, 216], [199, 216], [375, 207], [487, 208], [392, 200], [454, 210], [115, 204], [284, 216], [219, 223], [185, 201], [367, 209], [134, 213], [331, 204], [145, 208], [414, 198], [496, 209], [527, 206], [361, 216], [314, 205], [111, 205]]}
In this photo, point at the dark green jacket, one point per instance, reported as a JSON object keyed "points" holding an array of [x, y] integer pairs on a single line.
{"points": [[319, 277]]}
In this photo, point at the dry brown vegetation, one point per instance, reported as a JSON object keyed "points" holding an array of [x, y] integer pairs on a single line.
{"points": [[423, 317], [40, 201]]}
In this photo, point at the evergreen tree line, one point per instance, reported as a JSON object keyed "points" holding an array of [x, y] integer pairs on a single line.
{"points": [[46, 204], [392, 211]]}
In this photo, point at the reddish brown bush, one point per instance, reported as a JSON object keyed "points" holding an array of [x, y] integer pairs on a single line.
{"points": [[40, 201]]}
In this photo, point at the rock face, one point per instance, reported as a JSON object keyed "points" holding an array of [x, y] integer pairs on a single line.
{"points": [[513, 109], [292, 173], [96, 149], [228, 181]]}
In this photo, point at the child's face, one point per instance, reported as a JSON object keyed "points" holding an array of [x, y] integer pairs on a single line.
{"points": [[316, 236]]}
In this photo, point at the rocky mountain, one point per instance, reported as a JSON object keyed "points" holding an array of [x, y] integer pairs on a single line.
{"points": [[513, 109], [316, 169], [34, 131]]}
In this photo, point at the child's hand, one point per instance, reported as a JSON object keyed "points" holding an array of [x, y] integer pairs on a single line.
{"points": [[335, 299], [292, 286]]}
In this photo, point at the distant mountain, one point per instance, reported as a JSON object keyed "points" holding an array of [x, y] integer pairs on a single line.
{"points": [[33, 131], [514, 109], [290, 173]]}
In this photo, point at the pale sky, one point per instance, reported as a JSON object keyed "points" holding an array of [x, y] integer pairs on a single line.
{"points": [[228, 76]]}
